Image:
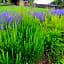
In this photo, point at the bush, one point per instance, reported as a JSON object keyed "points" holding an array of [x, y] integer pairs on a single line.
{"points": [[54, 37], [23, 43]]}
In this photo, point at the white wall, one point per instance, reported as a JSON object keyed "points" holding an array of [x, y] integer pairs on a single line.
{"points": [[43, 1]]}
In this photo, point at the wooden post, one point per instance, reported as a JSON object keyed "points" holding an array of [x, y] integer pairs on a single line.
{"points": [[18, 2]]}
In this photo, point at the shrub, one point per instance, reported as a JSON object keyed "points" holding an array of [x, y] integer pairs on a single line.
{"points": [[54, 37], [23, 43]]}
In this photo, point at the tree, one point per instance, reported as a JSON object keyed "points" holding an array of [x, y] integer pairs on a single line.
{"points": [[58, 2]]}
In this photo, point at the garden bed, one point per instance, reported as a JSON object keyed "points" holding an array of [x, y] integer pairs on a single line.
{"points": [[31, 38]]}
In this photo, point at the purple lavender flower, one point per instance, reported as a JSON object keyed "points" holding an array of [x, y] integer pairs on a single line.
{"points": [[38, 14], [44, 18], [4, 13], [16, 22], [3, 23], [0, 15], [20, 19], [0, 27], [9, 18], [6, 20], [15, 17]]}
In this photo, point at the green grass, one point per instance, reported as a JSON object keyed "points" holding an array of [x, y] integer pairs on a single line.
{"points": [[14, 8]]}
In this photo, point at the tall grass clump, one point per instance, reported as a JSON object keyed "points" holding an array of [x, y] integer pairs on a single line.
{"points": [[22, 43], [54, 38]]}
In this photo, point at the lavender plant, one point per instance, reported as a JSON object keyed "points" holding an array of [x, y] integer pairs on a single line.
{"points": [[23, 43], [9, 17], [23, 38]]}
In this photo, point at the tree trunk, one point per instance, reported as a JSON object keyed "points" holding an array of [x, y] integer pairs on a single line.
{"points": [[18, 2], [15, 2]]}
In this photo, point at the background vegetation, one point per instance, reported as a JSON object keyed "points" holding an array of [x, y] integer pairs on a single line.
{"points": [[58, 2]]}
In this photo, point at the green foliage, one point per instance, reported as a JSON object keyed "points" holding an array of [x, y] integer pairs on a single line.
{"points": [[58, 2], [62, 61], [54, 37], [21, 10], [23, 43]]}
